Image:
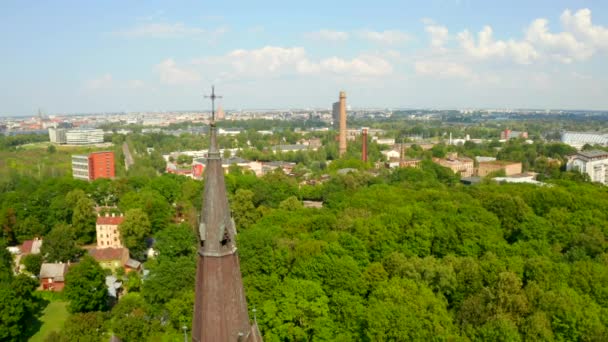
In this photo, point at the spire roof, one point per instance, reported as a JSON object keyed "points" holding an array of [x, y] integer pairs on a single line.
{"points": [[220, 307]]}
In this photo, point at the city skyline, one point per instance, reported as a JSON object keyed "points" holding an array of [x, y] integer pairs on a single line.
{"points": [[442, 54]]}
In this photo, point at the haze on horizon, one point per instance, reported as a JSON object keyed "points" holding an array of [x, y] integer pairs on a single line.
{"points": [[73, 57]]}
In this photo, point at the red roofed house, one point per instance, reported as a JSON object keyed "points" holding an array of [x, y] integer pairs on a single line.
{"points": [[31, 246], [52, 276], [108, 235], [110, 258]]}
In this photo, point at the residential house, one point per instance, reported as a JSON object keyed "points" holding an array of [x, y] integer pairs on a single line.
{"points": [[110, 258], [52, 276], [510, 168], [594, 163], [459, 165], [31, 246]]}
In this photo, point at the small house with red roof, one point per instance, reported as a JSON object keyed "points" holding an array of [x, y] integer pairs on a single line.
{"points": [[31, 246]]}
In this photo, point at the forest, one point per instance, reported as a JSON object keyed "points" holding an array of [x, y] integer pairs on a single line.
{"points": [[403, 255]]}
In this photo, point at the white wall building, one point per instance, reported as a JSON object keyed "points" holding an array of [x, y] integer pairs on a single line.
{"points": [[579, 139], [594, 163], [84, 136], [57, 135], [80, 167]]}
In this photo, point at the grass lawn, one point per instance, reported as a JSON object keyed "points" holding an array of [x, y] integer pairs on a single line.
{"points": [[52, 319], [34, 160]]}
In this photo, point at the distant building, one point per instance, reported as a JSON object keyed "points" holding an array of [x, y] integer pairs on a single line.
{"points": [[57, 135], [510, 168], [460, 165], [80, 167], [410, 162], [385, 141], [93, 166], [525, 178], [292, 148], [391, 154], [580, 139], [84, 136], [108, 235], [481, 159], [508, 134], [52, 276], [287, 167], [594, 163]]}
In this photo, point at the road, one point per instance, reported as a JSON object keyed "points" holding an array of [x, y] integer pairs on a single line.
{"points": [[128, 157]]}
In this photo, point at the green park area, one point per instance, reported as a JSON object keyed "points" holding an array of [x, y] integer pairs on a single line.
{"points": [[53, 317], [42, 159]]}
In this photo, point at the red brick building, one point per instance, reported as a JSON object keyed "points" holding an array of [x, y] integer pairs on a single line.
{"points": [[101, 165], [95, 165]]}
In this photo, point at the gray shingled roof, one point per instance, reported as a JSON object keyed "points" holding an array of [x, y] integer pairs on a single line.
{"points": [[55, 271]]}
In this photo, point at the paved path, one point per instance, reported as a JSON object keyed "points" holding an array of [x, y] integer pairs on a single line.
{"points": [[128, 157]]}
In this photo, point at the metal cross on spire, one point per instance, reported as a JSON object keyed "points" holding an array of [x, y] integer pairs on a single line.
{"points": [[213, 97]]}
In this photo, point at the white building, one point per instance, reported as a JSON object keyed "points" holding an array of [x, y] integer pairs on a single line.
{"points": [[84, 136], [80, 167], [594, 163], [57, 135], [579, 139]]}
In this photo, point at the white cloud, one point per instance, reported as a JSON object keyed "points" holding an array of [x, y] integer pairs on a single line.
{"points": [[389, 37], [443, 69], [439, 35], [329, 35], [522, 52], [171, 74], [563, 45], [273, 61], [580, 25]]}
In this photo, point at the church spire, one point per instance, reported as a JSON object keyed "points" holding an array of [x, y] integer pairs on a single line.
{"points": [[220, 308]]}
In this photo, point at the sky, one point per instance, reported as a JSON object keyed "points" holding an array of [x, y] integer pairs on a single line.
{"points": [[108, 56]]}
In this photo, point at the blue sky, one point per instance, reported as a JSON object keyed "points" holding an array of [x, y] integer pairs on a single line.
{"points": [[94, 56]]}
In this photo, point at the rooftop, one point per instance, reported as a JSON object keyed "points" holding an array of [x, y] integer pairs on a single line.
{"points": [[105, 254], [593, 154], [55, 271], [109, 220]]}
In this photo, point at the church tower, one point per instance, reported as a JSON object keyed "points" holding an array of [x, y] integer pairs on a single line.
{"points": [[220, 308]]}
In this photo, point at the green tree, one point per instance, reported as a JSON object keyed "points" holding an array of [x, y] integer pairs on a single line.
{"points": [[298, 312], [290, 204], [243, 210], [176, 241], [169, 278], [60, 245], [87, 326], [18, 307], [83, 220], [130, 318], [85, 286], [32, 263], [133, 232]]}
